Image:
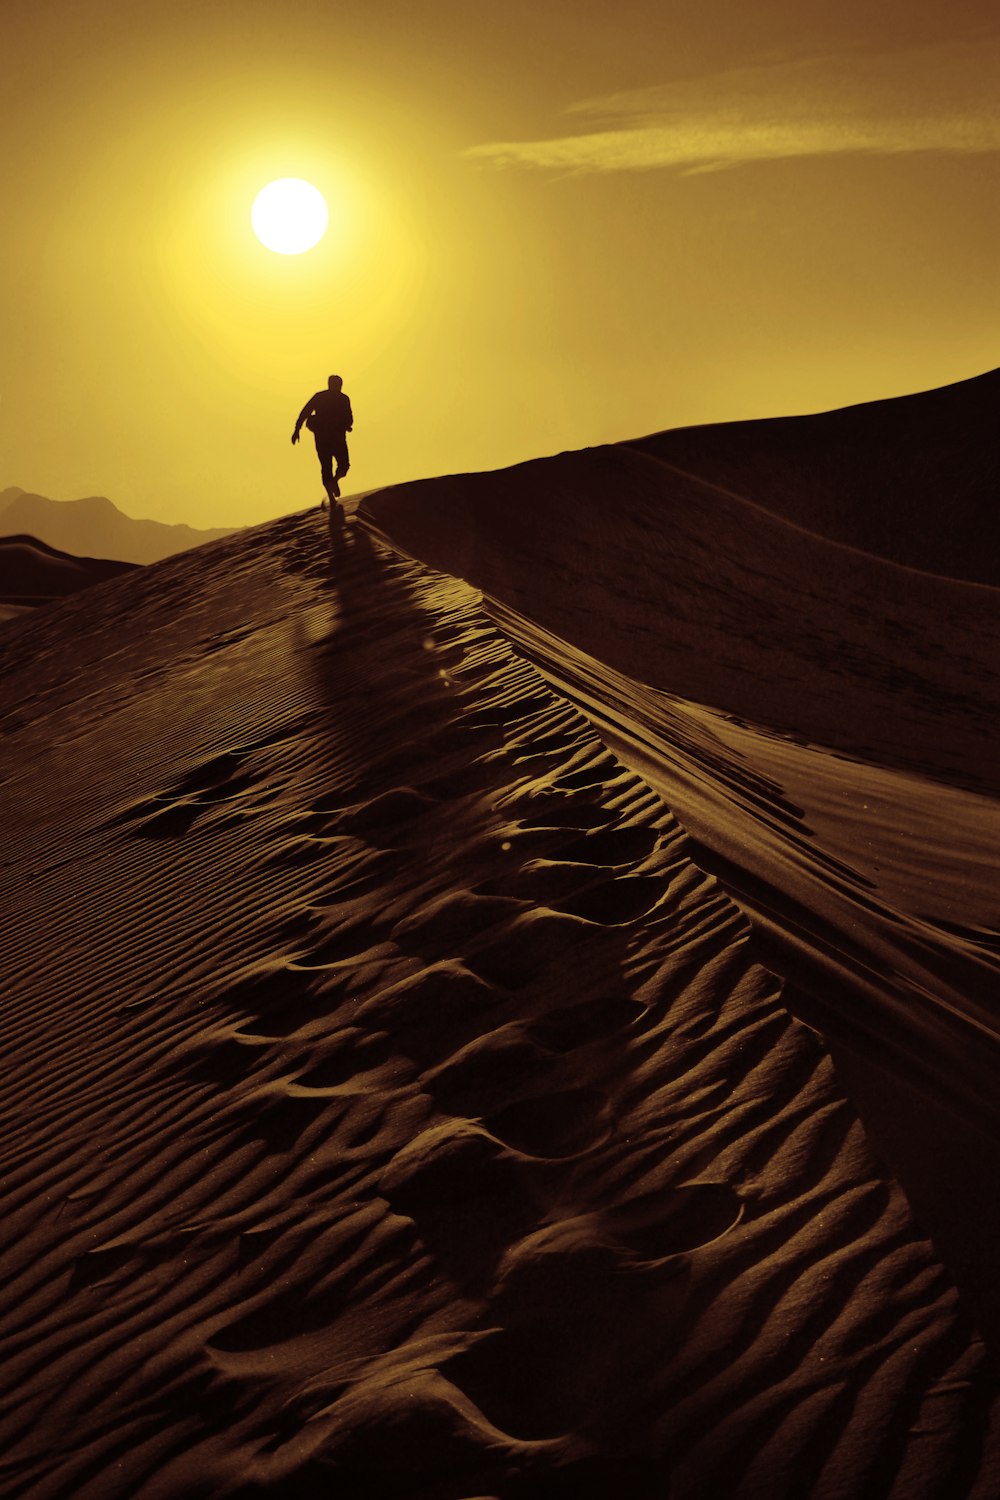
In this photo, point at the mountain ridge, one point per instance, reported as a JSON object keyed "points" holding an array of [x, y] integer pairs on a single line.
{"points": [[94, 526]]}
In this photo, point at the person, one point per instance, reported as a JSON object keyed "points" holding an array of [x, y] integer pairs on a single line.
{"points": [[329, 418]]}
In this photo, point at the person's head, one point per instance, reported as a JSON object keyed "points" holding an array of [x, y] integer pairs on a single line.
{"points": [[335, 383]]}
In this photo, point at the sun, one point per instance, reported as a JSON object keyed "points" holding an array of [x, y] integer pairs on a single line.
{"points": [[289, 216]]}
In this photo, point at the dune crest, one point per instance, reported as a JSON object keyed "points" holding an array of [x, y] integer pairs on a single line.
{"points": [[33, 574], [396, 1106], [691, 589], [913, 479], [822, 719]]}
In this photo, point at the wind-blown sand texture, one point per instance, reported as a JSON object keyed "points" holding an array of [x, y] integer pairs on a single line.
{"points": [[394, 1104], [859, 831]]}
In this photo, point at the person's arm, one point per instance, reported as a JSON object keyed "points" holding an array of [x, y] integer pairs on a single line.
{"points": [[302, 416], [350, 415]]}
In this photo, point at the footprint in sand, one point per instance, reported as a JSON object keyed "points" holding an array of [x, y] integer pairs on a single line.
{"points": [[437, 1010], [616, 902], [611, 847], [532, 943], [468, 1196], [173, 813], [564, 1266], [572, 1026], [548, 809], [675, 1221], [621, 1275], [276, 995], [555, 1124], [387, 815]]}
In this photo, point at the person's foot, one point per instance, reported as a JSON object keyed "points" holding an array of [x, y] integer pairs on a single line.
{"points": [[334, 490]]}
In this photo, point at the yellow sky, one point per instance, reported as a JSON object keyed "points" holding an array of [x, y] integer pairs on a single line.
{"points": [[547, 230]]}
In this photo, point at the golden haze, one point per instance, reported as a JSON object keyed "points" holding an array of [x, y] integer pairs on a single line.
{"points": [[480, 312]]}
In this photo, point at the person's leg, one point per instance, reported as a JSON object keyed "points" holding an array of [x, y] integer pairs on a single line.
{"points": [[324, 452], [341, 455]]}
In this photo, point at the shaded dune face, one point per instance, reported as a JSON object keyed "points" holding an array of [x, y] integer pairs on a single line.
{"points": [[395, 1107], [821, 719], [878, 884], [915, 479], [705, 593], [32, 572], [873, 892]]}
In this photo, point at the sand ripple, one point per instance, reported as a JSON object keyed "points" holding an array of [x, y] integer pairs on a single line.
{"points": [[392, 1104]]}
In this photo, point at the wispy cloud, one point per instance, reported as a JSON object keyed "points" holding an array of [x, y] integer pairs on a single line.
{"points": [[941, 99]]}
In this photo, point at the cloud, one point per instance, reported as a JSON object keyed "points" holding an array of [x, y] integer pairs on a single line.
{"points": [[940, 99]]}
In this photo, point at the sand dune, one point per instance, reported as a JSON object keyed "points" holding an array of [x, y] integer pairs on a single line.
{"points": [[395, 1105], [914, 479], [843, 785], [692, 589], [874, 890], [32, 573], [95, 526], [15, 611]]}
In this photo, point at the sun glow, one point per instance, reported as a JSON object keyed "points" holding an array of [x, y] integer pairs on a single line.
{"points": [[289, 216]]}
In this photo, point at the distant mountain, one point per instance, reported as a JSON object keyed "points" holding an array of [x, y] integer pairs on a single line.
{"points": [[915, 478], [96, 528]]}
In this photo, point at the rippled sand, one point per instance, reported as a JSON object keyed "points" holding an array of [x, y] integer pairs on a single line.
{"points": [[401, 1086]]}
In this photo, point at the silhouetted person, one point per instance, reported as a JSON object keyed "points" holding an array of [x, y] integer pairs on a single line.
{"points": [[329, 418]]}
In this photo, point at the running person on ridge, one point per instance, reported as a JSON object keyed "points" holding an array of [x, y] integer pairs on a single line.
{"points": [[329, 418]]}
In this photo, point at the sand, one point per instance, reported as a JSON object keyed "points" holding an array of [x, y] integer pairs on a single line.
{"points": [[402, 1086], [32, 574], [913, 479]]}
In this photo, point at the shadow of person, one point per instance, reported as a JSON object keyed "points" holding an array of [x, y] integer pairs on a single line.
{"points": [[378, 642], [337, 527]]}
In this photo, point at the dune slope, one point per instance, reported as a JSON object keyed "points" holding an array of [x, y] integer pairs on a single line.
{"points": [[914, 479], [394, 1106], [694, 590], [823, 721], [32, 572]]}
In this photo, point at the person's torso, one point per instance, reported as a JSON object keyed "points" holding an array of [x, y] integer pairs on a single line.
{"points": [[332, 411]]}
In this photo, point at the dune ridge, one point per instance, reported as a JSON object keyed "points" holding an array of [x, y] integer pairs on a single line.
{"points": [[914, 479], [33, 573], [393, 1103], [873, 904], [684, 586], [821, 719]]}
